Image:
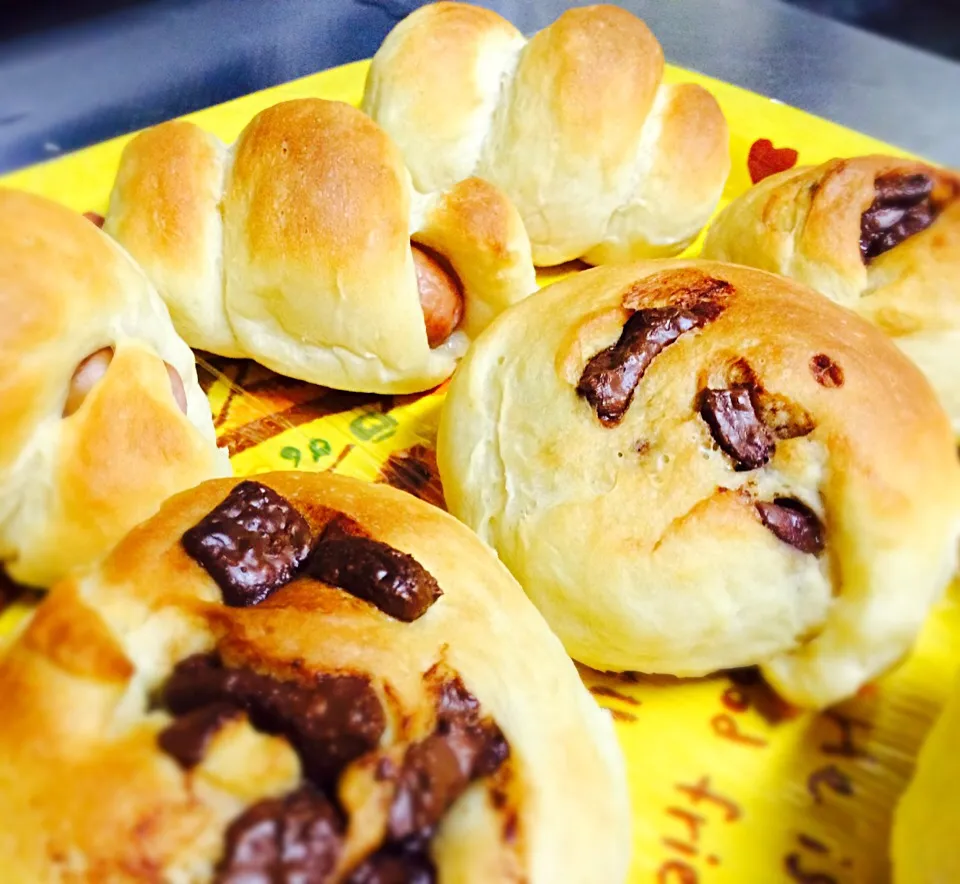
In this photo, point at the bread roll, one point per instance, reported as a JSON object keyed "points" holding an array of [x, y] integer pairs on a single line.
{"points": [[879, 235], [101, 411], [210, 692], [296, 247], [691, 466], [604, 160], [924, 842]]}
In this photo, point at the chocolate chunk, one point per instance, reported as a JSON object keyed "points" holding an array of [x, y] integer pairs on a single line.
{"points": [[297, 839], [610, 378], [433, 776], [825, 371], [456, 703], [436, 771], [340, 526], [902, 207], [186, 739], [794, 523], [377, 573], [330, 722], [736, 427], [251, 544], [458, 715], [388, 867], [896, 189]]}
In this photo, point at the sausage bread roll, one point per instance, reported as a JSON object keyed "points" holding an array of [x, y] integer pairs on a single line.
{"points": [[102, 417], [604, 160], [691, 466], [305, 247], [924, 841], [877, 234], [291, 680]]}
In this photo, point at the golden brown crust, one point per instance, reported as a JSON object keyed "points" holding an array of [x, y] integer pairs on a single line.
{"points": [[83, 782], [282, 149], [805, 223], [165, 210], [640, 541], [583, 48], [574, 125], [70, 487], [303, 258]]}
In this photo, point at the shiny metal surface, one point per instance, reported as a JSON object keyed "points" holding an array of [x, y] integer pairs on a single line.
{"points": [[74, 86]]}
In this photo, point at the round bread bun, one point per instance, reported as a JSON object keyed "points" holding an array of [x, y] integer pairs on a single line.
{"points": [[173, 715], [604, 160], [97, 429], [924, 843], [867, 233], [302, 246], [781, 489]]}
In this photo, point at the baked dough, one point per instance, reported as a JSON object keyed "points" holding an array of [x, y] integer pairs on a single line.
{"points": [[767, 479], [924, 841], [604, 160], [809, 223], [86, 454], [99, 782], [293, 247]]}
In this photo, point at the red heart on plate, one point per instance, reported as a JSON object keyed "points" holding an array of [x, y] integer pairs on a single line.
{"points": [[766, 160]]}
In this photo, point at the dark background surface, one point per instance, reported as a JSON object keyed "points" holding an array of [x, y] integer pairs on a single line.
{"points": [[72, 74]]}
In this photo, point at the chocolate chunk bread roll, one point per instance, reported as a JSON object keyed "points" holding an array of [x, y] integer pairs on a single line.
{"points": [[291, 680], [304, 246], [692, 466], [879, 235], [101, 415], [604, 160]]}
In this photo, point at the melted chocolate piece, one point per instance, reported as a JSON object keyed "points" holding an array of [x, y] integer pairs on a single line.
{"points": [[330, 722], [340, 526], [433, 776], [736, 427], [610, 378], [388, 867], [437, 770], [826, 372], [377, 573], [902, 207], [251, 544], [297, 839], [794, 523], [187, 738]]}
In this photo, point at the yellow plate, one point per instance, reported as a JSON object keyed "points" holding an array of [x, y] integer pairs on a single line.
{"points": [[727, 784]]}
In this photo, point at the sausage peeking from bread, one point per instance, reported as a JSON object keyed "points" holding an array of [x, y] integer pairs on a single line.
{"points": [[91, 371], [441, 296], [102, 413], [306, 247]]}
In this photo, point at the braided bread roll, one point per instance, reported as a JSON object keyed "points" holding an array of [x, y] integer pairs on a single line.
{"points": [[604, 160], [293, 680], [692, 466], [306, 248], [880, 235], [102, 416]]}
